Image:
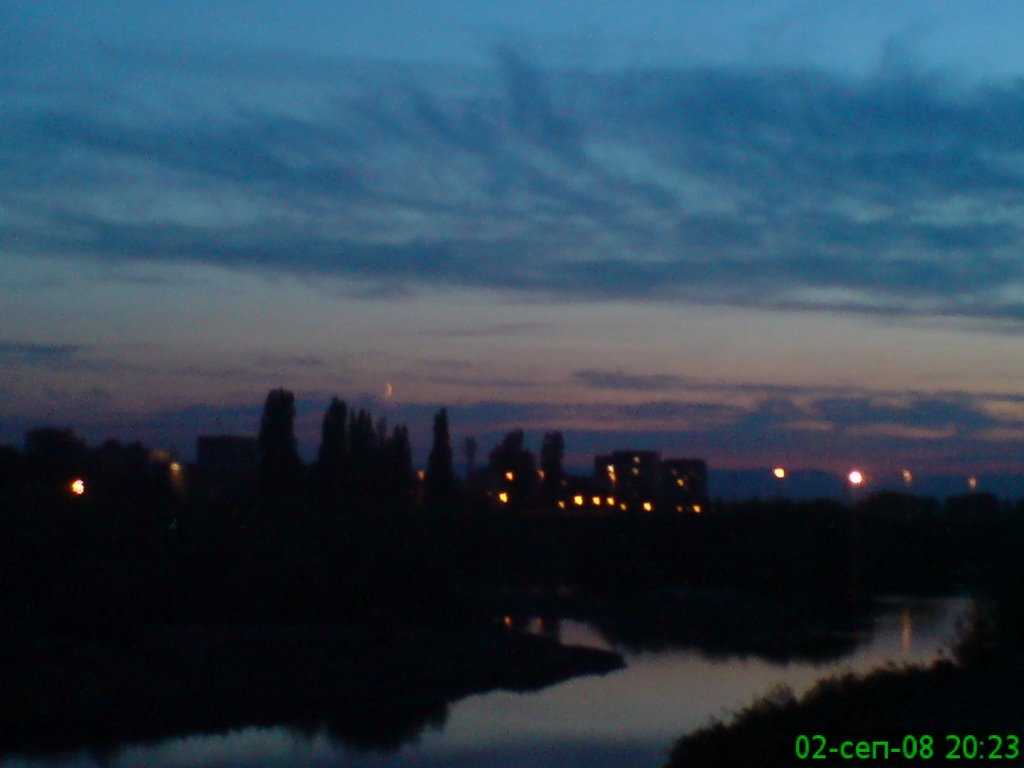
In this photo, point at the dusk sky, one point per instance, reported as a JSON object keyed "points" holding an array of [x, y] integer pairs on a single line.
{"points": [[756, 232]]}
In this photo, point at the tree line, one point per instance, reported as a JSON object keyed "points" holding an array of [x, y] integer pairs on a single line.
{"points": [[360, 463]]}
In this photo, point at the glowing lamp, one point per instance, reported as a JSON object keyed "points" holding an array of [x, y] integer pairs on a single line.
{"points": [[77, 486], [780, 473], [855, 477]]}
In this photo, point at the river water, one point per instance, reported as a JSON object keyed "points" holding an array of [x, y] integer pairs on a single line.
{"points": [[623, 719]]}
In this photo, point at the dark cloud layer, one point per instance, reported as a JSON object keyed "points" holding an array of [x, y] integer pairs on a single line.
{"points": [[897, 194], [13, 353]]}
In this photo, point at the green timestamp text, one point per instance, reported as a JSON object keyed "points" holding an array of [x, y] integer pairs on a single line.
{"points": [[912, 747]]}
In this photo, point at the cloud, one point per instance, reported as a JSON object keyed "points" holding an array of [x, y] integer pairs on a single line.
{"points": [[47, 355], [621, 380], [289, 361], [898, 194]]}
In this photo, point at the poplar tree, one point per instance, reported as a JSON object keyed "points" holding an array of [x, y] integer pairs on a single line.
{"points": [[439, 483], [280, 468]]}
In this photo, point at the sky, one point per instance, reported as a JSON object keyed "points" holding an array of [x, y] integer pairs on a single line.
{"points": [[757, 232]]}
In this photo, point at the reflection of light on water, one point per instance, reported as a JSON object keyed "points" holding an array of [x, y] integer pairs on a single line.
{"points": [[907, 635]]}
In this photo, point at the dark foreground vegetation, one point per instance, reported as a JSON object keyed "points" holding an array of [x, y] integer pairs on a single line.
{"points": [[969, 708], [353, 595], [369, 687]]}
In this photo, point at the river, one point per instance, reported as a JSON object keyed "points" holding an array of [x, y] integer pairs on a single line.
{"points": [[623, 719]]}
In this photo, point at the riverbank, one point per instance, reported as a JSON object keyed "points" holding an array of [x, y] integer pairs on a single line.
{"points": [[375, 687], [945, 702]]}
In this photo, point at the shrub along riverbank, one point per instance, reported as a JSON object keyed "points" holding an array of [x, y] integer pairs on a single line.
{"points": [[965, 709]]}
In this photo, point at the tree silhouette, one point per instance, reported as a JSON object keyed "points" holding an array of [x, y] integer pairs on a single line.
{"points": [[280, 468], [53, 455], [439, 483], [364, 458], [333, 457], [397, 466], [551, 453], [469, 451]]}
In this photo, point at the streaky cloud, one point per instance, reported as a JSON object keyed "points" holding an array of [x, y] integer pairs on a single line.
{"points": [[898, 194]]}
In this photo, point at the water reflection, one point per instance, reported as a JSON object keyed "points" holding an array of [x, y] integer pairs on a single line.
{"points": [[626, 718]]}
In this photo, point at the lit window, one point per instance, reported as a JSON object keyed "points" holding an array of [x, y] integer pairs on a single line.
{"points": [[636, 470], [577, 500], [503, 497], [611, 501], [697, 509], [510, 476], [681, 483], [561, 505], [622, 506], [77, 486], [596, 501], [648, 506], [636, 459], [540, 473], [175, 467], [679, 507]]}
